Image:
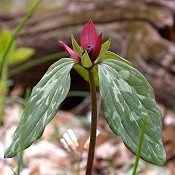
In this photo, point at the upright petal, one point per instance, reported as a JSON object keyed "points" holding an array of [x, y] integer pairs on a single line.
{"points": [[97, 47], [70, 51], [88, 35]]}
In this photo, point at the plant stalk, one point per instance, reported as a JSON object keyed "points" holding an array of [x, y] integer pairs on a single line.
{"points": [[93, 123]]}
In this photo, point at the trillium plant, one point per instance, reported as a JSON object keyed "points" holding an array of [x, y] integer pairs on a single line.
{"points": [[127, 99]]}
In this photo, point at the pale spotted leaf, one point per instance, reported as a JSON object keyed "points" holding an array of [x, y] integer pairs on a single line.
{"points": [[43, 104], [126, 98]]}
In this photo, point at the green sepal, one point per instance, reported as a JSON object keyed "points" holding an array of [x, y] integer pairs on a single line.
{"points": [[105, 46], [78, 50], [126, 98], [85, 60], [42, 106]]}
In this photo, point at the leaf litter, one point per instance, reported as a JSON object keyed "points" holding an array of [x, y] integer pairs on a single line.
{"points": [[47, 156]]}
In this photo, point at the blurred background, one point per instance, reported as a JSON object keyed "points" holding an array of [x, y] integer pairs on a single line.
{"points": [[142, 31]]}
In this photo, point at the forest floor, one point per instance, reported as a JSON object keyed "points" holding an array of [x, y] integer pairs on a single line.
{"points": [[47, 156]]}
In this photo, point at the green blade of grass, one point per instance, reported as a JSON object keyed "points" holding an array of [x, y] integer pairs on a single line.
{"points": [[140, 145]]}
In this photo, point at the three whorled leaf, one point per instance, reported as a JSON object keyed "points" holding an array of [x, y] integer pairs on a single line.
{"points": [[43, 103], [126, 98]]}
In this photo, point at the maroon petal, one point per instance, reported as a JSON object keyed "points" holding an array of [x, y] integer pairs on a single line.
{"points": [[97, 47], [70, 51], [88, 35]]}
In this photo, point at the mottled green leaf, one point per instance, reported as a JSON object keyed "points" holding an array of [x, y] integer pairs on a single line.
{"points": [[114, 56], [43, 103], [126, 98]]}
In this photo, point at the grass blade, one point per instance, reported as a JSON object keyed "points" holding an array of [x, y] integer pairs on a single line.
{"points": [[140, 145]]}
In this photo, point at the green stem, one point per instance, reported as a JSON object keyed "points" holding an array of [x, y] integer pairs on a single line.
{"points": [[93, 123], [140, 145], [15, 34]]}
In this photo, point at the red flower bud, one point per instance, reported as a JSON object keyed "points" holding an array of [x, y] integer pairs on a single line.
{"points": [[89, 41]]}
